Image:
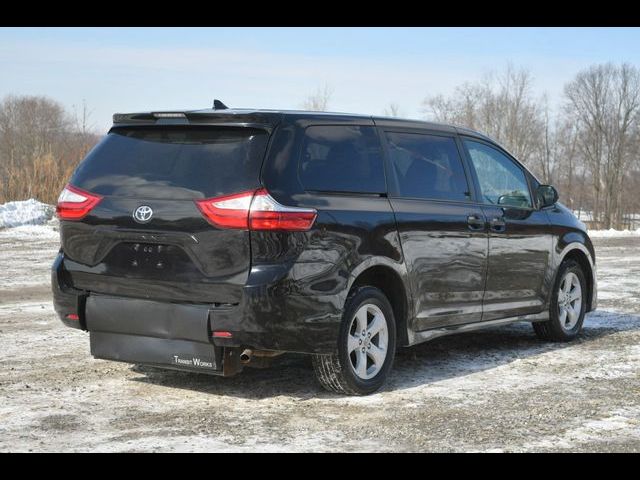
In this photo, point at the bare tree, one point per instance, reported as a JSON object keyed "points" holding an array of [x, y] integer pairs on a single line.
{"points": [[604, 103], [30, 125], [319, 100], [392, 110], [569, 170], [502, 106], [591, 148], [82, 119], [40, 146]]}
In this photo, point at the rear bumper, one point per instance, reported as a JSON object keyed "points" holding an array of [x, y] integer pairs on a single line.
{"points": [[269, 320], [154, 333], [180, 335], [67, 301], [160, 352]]}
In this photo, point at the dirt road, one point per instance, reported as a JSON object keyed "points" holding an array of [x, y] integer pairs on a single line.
{"points": [[496, 390]]}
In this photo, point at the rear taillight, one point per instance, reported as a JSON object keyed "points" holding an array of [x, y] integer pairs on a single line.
{"points": [[75, 203], [230, 211], [255, 210], [267, 214]]}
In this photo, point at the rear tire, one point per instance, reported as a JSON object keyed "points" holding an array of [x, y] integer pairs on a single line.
{"points": [[366, 346], [567, 307]]}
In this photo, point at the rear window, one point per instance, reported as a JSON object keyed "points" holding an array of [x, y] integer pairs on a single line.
{"points": [[175, 163], [342, 159]]}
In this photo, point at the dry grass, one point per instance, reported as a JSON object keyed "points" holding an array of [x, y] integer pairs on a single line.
{"points": [[40, 145], [43, 179]]}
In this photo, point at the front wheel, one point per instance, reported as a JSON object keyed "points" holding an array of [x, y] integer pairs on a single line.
{"points": [[366, 346], [567, 307]]}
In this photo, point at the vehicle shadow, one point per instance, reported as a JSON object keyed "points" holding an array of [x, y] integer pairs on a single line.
{"points": [[440, 359]]}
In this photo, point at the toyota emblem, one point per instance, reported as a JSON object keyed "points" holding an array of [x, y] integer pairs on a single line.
{"points": [[142, 214]]}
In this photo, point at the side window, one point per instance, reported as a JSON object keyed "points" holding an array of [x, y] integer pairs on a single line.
{"points": [[342, 159], [502, 182], [427, 166]]}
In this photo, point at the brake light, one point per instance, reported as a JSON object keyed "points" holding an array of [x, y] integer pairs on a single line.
{"points": [[75, 203], [222, 334], [255, 210]]}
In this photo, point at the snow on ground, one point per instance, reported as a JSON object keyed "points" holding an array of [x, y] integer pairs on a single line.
{"points": [[25, 212], [27, 255], [613, 233], [31, 223], [632, 219], [495, 390]]}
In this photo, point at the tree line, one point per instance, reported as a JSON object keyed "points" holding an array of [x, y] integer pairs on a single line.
{"points": [[588, 146], [40, 145], [589, 149]]}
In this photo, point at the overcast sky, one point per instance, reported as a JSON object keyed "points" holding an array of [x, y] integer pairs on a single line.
{"points": [[137, 69]]}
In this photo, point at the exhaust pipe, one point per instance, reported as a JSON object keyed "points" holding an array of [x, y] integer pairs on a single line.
{"points": [[245, 356], [258, 357]]}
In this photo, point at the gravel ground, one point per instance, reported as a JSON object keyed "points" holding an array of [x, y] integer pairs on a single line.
{"points": [[494, 390]]}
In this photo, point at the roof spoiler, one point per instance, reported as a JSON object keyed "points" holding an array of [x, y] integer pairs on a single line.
{"points": [[152, 116], [195, 118]]}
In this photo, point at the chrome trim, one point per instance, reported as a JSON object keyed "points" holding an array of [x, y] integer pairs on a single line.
{"points": [[425, 335]]}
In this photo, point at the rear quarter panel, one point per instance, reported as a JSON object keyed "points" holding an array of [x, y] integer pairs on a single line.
{"points": [[351, 233]]}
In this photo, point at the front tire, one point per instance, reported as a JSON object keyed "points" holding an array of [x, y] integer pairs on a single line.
{"points": [[366, 346], [567, 307]]}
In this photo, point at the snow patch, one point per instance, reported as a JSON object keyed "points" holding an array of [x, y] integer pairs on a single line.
{"points": [[620, 425], [25, 212], [613, 233], [31, 233]]}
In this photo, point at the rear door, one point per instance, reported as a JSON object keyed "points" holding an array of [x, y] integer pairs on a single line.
{"points": [[519, 235], [442, 230], [168, 251]]}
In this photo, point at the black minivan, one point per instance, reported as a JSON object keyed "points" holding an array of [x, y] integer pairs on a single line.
{"points": [[215, 239]]}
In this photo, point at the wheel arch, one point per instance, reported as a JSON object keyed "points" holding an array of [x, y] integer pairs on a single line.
{"points": [[580, 254], [390, 281]]}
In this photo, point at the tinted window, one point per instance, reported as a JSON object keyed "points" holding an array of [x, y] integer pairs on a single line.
{"points": [[502, 182], [342, 159], [185, 163], [427, 166]]}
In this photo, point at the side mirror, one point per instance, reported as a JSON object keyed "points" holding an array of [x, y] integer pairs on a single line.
{"points": [[514, 199], [547, 195]]}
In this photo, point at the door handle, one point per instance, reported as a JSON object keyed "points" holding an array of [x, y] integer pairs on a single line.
{"points": [[497, 224], [475, 222]]}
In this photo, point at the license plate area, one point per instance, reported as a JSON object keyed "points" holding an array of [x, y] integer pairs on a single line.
{"points": [[150, 260]]}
